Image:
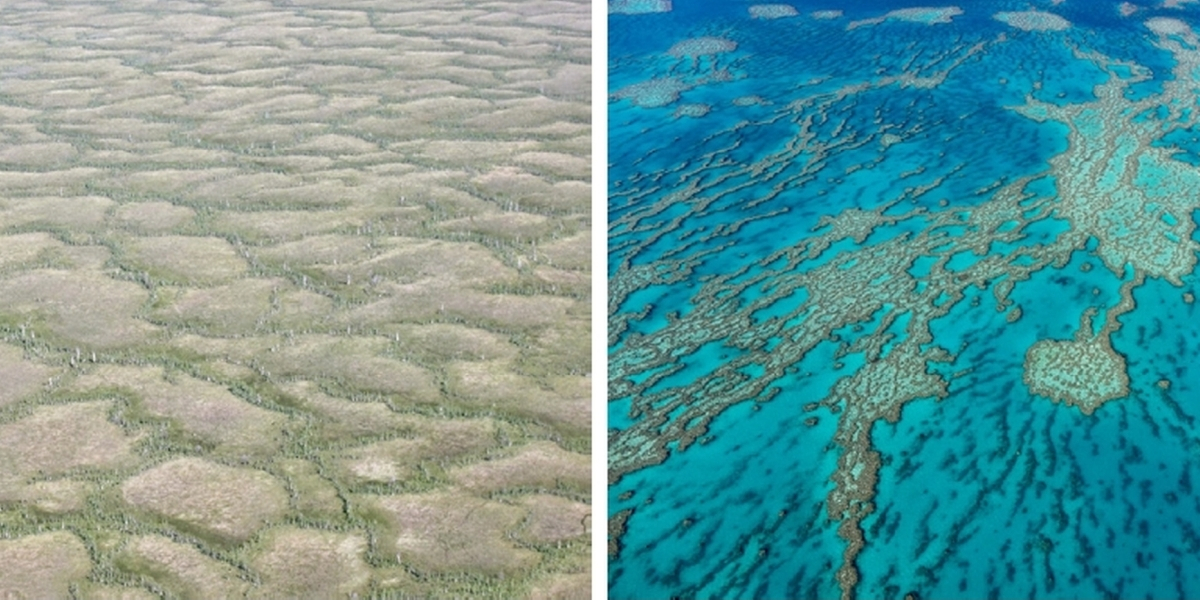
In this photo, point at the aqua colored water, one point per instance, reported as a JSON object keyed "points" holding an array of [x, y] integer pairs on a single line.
{"points": [[875, 276]]}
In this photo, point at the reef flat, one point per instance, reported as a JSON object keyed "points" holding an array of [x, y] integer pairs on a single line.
{"points": [[901, 301]]}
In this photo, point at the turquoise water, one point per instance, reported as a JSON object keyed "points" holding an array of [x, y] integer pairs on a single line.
{"points": [[902, 301]]}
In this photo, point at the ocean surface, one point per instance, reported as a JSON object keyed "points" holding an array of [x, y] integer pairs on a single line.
{"points": [[902, 300]]}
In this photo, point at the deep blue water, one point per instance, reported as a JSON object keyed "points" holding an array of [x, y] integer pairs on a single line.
{"points": [[993, 491]]}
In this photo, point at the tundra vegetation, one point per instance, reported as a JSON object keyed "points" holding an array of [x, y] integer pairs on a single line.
{"points": [[294, 299]]}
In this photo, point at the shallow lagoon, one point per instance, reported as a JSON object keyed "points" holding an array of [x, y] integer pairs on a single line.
{"points": [[927, 276]]}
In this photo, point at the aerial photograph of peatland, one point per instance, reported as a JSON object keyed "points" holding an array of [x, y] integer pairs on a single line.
{"points": [[902, 299], [295, 299]]}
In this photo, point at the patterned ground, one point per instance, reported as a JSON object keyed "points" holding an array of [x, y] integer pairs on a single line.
{"points": [[293, 299]]}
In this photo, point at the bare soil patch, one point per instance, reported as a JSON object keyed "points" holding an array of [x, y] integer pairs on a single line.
{"points": [[570, 253], [25, 249], [82, 212], [453, 532], [227, 503], [538, 465], [186, 259], [42, 566], [575, 586], [60, 438], [231, 309], [445, 440], [182, 569], [78, 306], [356, 363], [554, 518], [21, 377], [153, 217], [309, 563], [205, 409]]}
